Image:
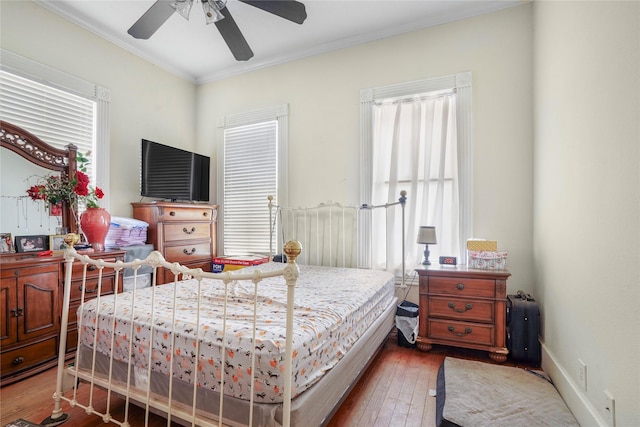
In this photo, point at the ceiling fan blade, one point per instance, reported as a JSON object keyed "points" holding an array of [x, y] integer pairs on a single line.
{"points": [[288, 9], [233, 37], [152, 19]]}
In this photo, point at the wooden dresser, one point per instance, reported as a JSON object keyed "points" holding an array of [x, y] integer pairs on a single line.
{"points": [[181, 232], [463, 307], [31, 295]]}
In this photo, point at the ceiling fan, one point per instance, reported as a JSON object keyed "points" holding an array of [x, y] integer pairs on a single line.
{"points": [[216, 12]]}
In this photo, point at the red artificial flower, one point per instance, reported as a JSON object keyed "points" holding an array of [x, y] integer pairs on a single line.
{"points": [[36, 192], [82, 186], [82, 178], [99, 193]]}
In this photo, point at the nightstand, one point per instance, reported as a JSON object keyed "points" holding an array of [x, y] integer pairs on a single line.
{"points": [[463, 307]]}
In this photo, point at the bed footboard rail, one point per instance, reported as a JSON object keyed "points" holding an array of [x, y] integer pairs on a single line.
{"points": [[142, 345]]}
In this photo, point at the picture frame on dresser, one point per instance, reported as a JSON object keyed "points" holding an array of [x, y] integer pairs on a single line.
{"points": [[6, 244], [33, 243], [56, 243]]}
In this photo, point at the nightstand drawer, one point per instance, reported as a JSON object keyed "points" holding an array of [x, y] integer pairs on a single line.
{"points": [[189, 252], [462, 287], [192, 231], [462, 309], [167, 214], [462, 332]]}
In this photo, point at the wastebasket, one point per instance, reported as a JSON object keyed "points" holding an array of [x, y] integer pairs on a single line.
{"points": [[407, 323]]}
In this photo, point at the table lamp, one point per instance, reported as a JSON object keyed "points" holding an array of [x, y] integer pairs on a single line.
{"points": [[427, 236]]}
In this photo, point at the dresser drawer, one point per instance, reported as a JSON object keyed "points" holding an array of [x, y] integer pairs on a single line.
{"points": [[188, 252], [168, 214], [26, 357], [166, 276], [462, 287], [460, 332], [91, 291], [192, 231], [92, 271], [462, 309]]}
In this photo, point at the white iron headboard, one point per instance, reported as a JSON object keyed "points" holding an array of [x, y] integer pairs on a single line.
{"points": [[329, 232]]}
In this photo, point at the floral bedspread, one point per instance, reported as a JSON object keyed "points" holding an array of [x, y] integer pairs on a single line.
{"points": [[333, 308]]}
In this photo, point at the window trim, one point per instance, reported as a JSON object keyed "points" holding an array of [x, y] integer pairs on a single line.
{"points": [[462, 82], [277, 112], [33, 70]]}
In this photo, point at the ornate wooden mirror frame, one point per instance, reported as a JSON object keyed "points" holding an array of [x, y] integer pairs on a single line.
{"points": [[36, 151]]}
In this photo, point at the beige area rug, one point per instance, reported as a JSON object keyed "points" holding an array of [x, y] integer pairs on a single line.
{"points": [[481, 394]]}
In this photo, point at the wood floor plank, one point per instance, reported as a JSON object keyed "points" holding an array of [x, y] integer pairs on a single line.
{"points": [[393, 391]]}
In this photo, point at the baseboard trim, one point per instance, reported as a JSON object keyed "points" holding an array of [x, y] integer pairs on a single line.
{"points": [[575, 398]]}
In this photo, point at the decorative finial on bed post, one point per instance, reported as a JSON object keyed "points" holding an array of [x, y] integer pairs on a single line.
{"points": [[292, 249]]}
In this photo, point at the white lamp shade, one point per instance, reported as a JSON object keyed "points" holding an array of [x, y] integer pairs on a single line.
{"points": [[427, 235]]}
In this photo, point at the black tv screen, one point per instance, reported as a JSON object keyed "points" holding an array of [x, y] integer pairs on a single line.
{"points": [[175, 174]]}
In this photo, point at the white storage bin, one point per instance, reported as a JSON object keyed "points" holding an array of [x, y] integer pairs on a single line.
{"points": [[140, 282]]}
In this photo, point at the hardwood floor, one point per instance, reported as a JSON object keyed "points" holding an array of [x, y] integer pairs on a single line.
{"points": [[394, 391]]}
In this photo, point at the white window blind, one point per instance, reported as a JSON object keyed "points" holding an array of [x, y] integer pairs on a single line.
{"points": [[250, 173], [67, 89], [56, 116], [251, 166]]}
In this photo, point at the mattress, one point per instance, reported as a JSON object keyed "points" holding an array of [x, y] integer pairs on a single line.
{"points": [[314, 407], [333, 308]]}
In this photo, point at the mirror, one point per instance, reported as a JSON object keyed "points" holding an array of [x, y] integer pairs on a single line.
{"points": [[25, 159], [21, 215]]}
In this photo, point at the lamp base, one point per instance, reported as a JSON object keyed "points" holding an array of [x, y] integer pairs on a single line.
{"points": [[426, 256]]}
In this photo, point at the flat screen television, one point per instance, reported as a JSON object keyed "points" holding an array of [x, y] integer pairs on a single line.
{"points": [[174, 174]]}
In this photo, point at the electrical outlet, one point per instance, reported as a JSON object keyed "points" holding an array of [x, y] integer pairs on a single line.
{"points": [[609, 409], [582, 374]]}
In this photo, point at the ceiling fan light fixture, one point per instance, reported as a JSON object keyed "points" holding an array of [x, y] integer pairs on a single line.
{"points": [[212, 10], [183, 7]]}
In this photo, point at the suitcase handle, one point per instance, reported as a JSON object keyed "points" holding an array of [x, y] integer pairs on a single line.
{"points": [[524, 296]]}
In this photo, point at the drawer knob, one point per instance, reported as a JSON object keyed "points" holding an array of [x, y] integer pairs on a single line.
{"points": [[18, 360], [193, 229], [460, 286], [452, 306], [172, 213], [452, 329], [191, 252], [87, 290], [205, 214]]}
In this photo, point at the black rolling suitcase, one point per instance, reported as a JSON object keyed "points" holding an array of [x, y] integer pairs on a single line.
{"points": [[523, 327]]}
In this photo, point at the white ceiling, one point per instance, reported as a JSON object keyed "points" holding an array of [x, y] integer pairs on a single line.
{"points": [[196, 51]]}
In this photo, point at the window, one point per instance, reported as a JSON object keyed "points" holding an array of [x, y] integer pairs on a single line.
{"points": [[416, 138], [58, 108], [57, 117], [251, 166]]}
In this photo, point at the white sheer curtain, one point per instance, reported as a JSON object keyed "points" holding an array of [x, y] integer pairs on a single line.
{"points": [[415, 149]]}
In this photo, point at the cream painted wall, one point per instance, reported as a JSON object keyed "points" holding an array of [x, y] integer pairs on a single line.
{"points": [[146, 101], [587, 201], [323, 96], [589, 299]]}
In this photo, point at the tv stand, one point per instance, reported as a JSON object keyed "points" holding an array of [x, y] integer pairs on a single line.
{"points": [[181, 232]]}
